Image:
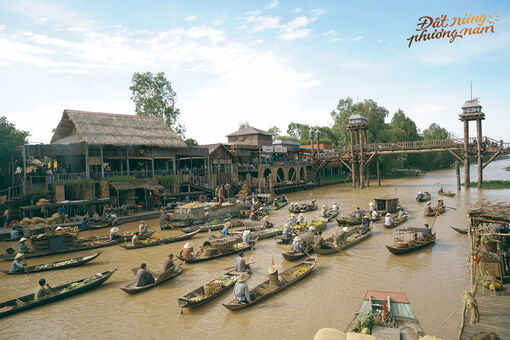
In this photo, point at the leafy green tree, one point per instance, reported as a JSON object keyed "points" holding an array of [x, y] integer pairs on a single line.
{"points": [[402, 128], [275, 130], [243, 125], [153, 96], [299, 131], [191, 142], [10, 138]]}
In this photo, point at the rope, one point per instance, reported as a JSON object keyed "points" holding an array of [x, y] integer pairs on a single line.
{"points": [[451, 315]]}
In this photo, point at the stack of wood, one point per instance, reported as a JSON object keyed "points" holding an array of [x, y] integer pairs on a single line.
{"points": [[490, 210]]}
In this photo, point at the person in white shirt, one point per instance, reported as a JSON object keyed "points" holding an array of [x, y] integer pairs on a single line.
{"points": [[388, 221]]}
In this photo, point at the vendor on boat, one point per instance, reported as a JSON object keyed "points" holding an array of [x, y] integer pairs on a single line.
{"points": [[83, 225], [297, 245], [16, 266], [319, 242], [312, 206], [300, 219], [427, 233], [441, 190], [168, 263], [401, 213], [266, 223], [283, 198], [163, 219], [187, 251], [440, 204], [388, 221], [292, 220], [420, 195], [371, 206], [324, 211], [112, 219], [134, 239], [23, 248], [335, 207], [241, 291], [357, 213], [224, 231], [42, 290], [253, 214], [428, 208], [375, 215], [247, 238], [143, 276], [286, 231], [365, 223], [143, 228], [241, 265], [114, 233]]}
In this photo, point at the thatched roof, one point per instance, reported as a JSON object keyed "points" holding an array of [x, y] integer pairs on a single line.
{"points": [[249, 131], [97, 128], [498, 212]]}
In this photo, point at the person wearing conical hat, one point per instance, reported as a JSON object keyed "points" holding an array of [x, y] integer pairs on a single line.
{"points": [[247, 238], [224, 231], [266, 223], [187, 251], [324, 211], [301, 219], [388, 221], [114, 233], [335, 207], [16, 266], [23, 248], [241, 265], [292, 220], [371, 206], [440, 203], [241, 290], [365, 223], [297, 245], [428, 208]]}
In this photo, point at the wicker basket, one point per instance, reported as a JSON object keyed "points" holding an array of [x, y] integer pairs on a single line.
{"points": [[401, 244]]}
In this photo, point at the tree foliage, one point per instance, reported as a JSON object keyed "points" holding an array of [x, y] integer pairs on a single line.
{"points": [[10, 138], [243, 125], [153, 96], [191, 142], [275, 130]]}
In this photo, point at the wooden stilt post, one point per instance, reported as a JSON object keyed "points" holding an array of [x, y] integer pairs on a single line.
{"points": [[368, 175], [479, 151], [467, 179], [87, 170], [353, 168], [457, 172], [102, 161], [127, 161], [378, 173], [361, 162]]}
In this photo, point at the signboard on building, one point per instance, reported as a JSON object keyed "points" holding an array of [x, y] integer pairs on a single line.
{"points": [[280, 149], [267, 149]]}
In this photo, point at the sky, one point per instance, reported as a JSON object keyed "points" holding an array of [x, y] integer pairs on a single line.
{"points": [[263, 62]]}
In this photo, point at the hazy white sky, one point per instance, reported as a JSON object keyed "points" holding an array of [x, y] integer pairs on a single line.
{"points": [[268, 63]]}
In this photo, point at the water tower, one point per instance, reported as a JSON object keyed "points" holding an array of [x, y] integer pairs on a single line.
{"points": [[358, 126], [472, 110]]}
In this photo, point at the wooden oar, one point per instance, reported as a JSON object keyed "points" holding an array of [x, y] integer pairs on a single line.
{"points": [[26, 266], [230, 268], [451, 208]]}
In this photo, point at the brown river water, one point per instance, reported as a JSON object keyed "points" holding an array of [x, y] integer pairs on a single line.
{"points": [[432, 278]]}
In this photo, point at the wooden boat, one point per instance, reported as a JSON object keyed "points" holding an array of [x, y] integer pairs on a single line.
{"points": [[244, 247], [414, 241], [436, 211], [374, 219], [160, 242], [198, 297], [446, 193], [81, 247], [278, 205], [264, 290], [284, 239], [326, 251], [62, 264], [426, 197], [396, 222], [460, 230], [343, 220], [126, 237], [291, 255], [355, 240], [206, 227], [301, 208], [132, 289], [331, 214], [395, 318], [59, 293]]}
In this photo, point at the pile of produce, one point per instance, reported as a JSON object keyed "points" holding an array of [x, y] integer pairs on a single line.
{"points": [[76, 285], [497, 284], [364, 323], [238, 245], [314, 223], [300, 271]]}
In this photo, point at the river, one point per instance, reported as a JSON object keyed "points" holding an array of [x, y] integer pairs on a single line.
{"points": [[433, 278]]}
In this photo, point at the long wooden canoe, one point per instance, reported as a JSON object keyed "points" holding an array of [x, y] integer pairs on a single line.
{"points": [[396, 222], [460, 230], [265, 290], [160, 242], [62, 264], [59, 293], [417, 245], [132, 289], [301, 208], [218, 226], [123, 238], [348, 220], [201, 259], [357, 240], [198, 298], [447, 193], [291, 255], [326, 251], [83, 246], [426, 197]]}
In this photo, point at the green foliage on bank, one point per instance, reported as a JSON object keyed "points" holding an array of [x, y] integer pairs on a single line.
{"points": [[166, 180], [507, 168], [113, 179], [75, 188], [493, 184]]}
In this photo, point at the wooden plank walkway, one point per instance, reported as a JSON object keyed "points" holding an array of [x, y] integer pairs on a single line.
{"points": [[494, 314]]}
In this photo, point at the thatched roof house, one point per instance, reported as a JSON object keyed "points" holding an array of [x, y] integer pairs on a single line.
{"points": [[251, 136], [98, 128]]}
